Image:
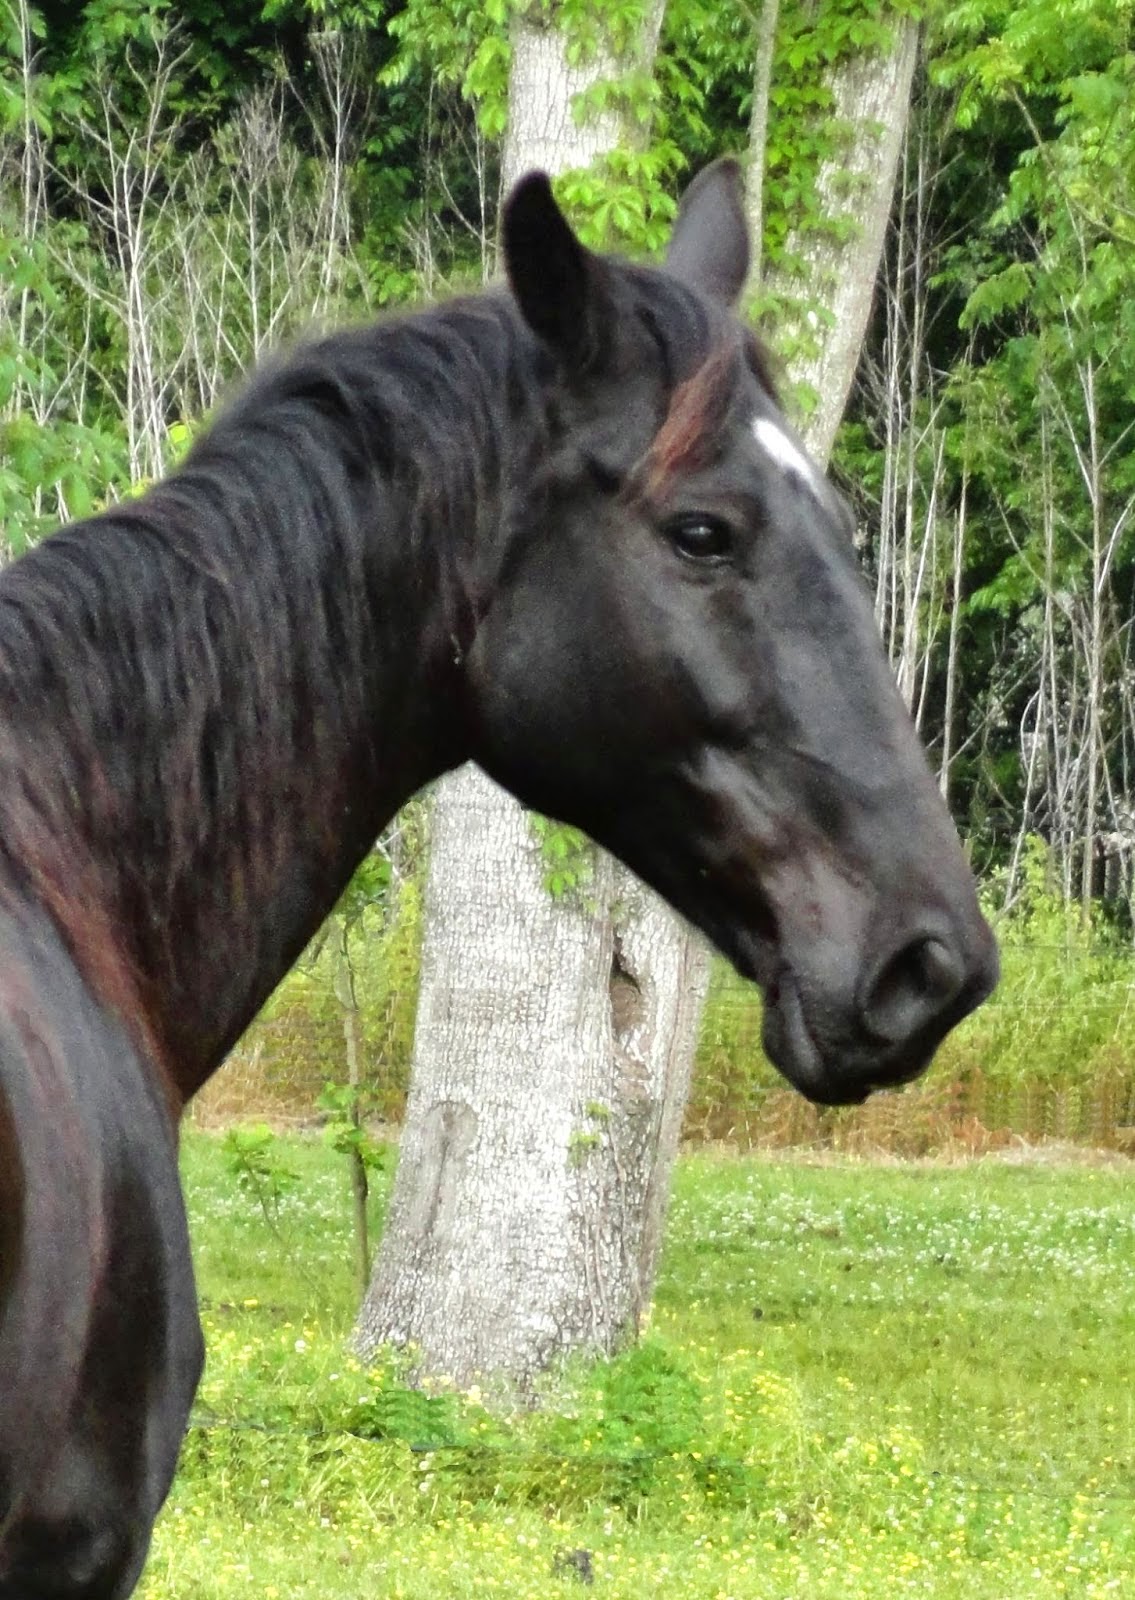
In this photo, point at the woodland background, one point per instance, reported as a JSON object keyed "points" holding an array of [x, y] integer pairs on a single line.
{"points": [[184, 187]]}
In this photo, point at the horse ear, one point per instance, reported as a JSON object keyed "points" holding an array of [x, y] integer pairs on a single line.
{"points": [[558, 283], [709, 248]]}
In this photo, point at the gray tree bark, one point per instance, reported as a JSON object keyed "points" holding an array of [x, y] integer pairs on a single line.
{"points": [[551, 1067], [545, 128], [872, 101], [767, 20], [554, 1041]]}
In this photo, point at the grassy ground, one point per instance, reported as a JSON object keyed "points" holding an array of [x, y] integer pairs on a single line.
{"points": [[859, 1381]]}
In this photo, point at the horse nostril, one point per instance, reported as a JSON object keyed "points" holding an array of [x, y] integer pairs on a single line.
{"points": [[911, 989]]}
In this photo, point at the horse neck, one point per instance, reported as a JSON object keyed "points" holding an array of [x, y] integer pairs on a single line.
{"points": [[285, 618]]}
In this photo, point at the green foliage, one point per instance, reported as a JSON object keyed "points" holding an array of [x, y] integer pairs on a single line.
{"points": [[388, 1410], [1034, 292], [806, 1414], [466, 47], [581, 1142], [369, 889], [1025, 243], [254, 1159], [1036, 284], [212, 123], [1063, 1013], [568, 854], [52, 465], [732, 1075], [624, 201], [644, 1406], [343, 1131], [298, 1042], [461, 46], [49, 469], [1060, 1021]]}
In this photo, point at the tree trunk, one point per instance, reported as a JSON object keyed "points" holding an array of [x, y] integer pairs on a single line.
{"points": [[352, 1038], [554, 1041], [544, 127], [872, 99], [551, 1066], [767, 20]]}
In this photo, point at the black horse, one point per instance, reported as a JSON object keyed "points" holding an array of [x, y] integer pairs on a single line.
{"points": [[564, 532]]}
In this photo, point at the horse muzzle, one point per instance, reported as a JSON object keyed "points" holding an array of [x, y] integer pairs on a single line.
{"points": [[836, 1046]]}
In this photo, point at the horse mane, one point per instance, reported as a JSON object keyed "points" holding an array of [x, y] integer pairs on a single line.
{"points": [[185, 755], [180, 671]]}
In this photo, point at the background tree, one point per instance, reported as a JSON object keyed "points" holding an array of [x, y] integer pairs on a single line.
{"points": [[555, 1040], [185, 186], [821, 280], [555, 1029]]}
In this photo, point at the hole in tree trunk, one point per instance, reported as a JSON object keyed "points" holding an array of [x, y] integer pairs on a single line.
{"points": [[627, 1004]]}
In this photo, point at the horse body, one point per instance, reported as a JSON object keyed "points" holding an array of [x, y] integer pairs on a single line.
{"points": [[565, 533], [100, 1346]]}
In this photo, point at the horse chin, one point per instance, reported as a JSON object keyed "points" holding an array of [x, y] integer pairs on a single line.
{"points": [[831, 1066], [785, 1035], [822, 1071], [833, 1072], [792, 1049]]}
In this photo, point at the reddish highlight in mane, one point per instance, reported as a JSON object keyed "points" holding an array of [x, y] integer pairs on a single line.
{"points": [[689, 439]]}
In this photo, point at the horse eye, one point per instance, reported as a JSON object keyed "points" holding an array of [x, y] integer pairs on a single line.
{"points": [[700, 538]]}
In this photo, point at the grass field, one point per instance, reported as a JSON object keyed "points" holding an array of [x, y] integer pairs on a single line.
{"points": [[859, 1381]]}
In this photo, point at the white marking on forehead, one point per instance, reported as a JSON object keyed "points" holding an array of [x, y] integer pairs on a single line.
{"points": [[785, 452]]}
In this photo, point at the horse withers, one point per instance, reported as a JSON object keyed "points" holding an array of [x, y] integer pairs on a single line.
{"points": [[562, 530]]}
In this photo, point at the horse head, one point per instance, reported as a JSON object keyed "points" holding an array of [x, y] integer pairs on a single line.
{"points": [[680, 656]]}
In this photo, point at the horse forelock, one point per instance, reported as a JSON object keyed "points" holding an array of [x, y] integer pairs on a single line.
{"points": [[704, 356], [689, 437]]}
